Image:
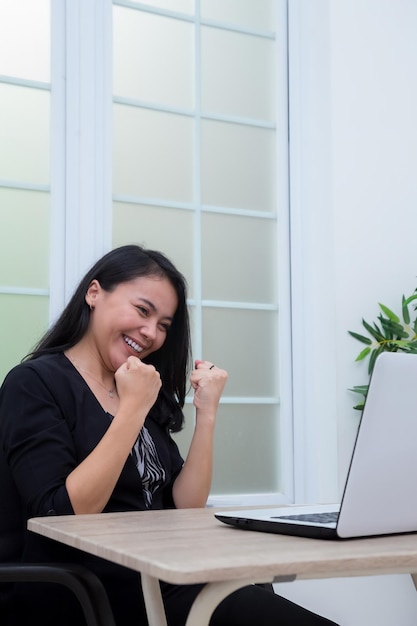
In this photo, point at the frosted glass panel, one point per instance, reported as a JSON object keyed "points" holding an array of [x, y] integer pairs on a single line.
{"points": [[245, 343], [237, 75], [245, 258], [23, 319], [152, 154], [256, 14], [24, 238], [245, 448], [24, 134], [238, 166], [25, 39], [153, 58], [167, 230], [179, 6]]}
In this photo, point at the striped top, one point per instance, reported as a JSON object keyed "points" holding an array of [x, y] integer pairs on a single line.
{"points": [[149, 465]]}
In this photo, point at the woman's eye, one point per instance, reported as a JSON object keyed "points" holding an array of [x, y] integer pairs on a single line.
{"points": [[142, 310]]}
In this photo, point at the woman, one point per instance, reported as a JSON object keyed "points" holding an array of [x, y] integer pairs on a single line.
{"points": [[85, 427]]}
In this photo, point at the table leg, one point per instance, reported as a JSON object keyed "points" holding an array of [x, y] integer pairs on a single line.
{"points": [[205, 603], [208, 599], [153, 601], [414, 577]]}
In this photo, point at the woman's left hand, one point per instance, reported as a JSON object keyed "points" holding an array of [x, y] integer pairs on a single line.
{"points": [[192, 486], [208, 382]]}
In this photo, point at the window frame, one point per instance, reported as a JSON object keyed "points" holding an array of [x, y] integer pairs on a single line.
{"points": [[81, 78]]}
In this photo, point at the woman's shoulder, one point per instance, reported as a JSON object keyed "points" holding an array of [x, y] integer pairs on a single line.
{"points": [[47, 378], [48, 367]]}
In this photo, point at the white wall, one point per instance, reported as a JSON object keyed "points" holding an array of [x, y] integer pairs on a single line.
{"points": [[377, 601], [374, 172], [355, 196]]}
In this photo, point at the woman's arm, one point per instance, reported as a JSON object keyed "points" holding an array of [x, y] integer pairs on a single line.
{"points": [[192, 486], [91, 483]]}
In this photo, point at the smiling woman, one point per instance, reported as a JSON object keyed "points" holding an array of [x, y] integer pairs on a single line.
{"points": [[131, 320], [92, 408], [143, 309]]}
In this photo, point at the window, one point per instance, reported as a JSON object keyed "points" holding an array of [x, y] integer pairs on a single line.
{"points": [[169, 129], [24, 175]]}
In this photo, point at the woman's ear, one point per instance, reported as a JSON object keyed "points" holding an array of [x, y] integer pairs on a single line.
{"points": [[92, 293]]}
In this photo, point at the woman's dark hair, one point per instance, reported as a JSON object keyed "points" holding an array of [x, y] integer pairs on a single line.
{"points": [[172, 360]]}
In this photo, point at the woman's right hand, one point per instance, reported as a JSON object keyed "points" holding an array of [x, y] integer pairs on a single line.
{"points": [[91, 484], [138, 385]]}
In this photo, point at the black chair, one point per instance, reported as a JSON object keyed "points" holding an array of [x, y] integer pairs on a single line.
{"points": [[86, 586], [82, 582]]}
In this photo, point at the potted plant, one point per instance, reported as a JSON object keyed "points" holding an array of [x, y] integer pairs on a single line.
{"points": [[389, 333]]}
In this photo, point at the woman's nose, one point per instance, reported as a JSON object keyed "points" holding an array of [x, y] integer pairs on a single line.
{"points": [[149, 331]]}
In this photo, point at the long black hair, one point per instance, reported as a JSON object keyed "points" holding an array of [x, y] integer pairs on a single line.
{"points": [[172, 360]]}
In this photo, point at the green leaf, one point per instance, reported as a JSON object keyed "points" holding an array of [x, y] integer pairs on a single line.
{"points": [[393, 330], [387, 328], [406, 312], [402, 343], [375, 353], [359, 407], [360, 337], [375, 332], [392, 316], [362, 355], [362, 389], [410, 299]]}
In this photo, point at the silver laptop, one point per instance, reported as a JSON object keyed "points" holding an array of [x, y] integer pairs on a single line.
{"points": [[380, 493]]}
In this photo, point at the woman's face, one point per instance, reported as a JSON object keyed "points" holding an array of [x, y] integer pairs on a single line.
{"points": [[133, 319]]}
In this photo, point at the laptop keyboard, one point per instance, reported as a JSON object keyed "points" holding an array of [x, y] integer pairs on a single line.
{"points": [[320, 518]]}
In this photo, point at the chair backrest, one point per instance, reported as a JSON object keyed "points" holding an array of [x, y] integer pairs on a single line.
{"points": [[87, 588], [11, 529]]}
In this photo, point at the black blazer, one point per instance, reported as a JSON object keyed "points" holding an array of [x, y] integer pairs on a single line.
{"points": [[49, 422]]}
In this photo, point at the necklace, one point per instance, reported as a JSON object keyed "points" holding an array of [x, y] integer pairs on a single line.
{"points": [[111, 391]]}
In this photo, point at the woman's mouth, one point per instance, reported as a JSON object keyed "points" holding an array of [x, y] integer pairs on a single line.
{"points": [[135, 346]]}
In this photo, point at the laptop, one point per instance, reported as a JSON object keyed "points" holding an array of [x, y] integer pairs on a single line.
{"points": [[379, 497]]}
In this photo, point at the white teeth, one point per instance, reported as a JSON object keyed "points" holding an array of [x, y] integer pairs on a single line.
{"points": [[133, 344]]}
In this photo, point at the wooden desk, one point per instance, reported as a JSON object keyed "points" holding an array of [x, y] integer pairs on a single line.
{"points": [[190, 546]]}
